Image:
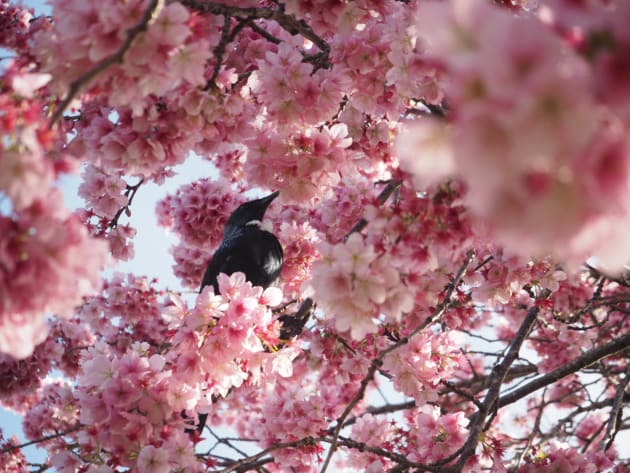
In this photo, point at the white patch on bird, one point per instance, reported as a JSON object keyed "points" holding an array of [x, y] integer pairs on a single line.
{"points": [[255, 223], [271, 265], [266, 225]]}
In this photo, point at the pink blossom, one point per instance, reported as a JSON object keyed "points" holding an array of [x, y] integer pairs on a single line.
{"points": [[65, 462], [14, 460], [424, 243], [421, 365], [189, 61], [170, 26], [350, 282], [153, 460], [426, 152], [38, 233], [27, 84]]}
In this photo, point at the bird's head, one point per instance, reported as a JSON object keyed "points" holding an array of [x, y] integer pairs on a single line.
{"points": [[249, 213]]}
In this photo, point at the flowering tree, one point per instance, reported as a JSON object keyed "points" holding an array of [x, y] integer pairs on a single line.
{"points": [[454, 210]]}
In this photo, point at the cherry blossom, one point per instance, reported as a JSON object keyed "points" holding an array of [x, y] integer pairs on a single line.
{"points": [[453, 211], [49, 257]]}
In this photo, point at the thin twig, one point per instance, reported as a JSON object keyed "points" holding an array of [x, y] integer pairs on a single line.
{"points": [[532, 435], [219, 50], [262, 32], [489, 404], [11, 448], [115, 58], [130, 193], [292, 325], [613, 421], [378, 361], [389, 189], [288, 22], [253, 458], [618, 345]]}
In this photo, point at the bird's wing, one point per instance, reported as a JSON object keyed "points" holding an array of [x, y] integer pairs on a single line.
{"points": [[254, 252], [220, 258]]}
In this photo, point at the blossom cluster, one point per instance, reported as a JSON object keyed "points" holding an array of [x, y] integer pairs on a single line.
{"points": [[12, 460], [561, 458], [22, 378], [290, 413], [228, 338], [424, 261], [197, 212], [445, 434], [421, 366], [125, 311], [400, 266], [292, 91], [49, 263], [26, 171], [14, 25], [122, 404], [130, 394], [168, 55], [354, 287], [529, 132], [305, 163]]}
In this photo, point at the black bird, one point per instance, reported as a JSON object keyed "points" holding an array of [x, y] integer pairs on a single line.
{"points": [[246, 247]]}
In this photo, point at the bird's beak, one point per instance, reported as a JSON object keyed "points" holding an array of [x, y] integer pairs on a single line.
{"points": [[267, 200]]}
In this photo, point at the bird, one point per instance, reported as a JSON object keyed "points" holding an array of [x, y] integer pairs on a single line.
{"points": [[246, 248]]}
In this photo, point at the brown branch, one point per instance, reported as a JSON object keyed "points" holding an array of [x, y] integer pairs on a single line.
{"points": [[613, 421], [115, 58], [386, 409], [288, 22], [483, 263], [480, 383], [489, 404], [530, 439], [219, 50], [11, 448], [130, 193], [263, 32], [292, 325], [227, 37], [389, 408], [361, 446], [389, 189], [236, 466], [622, 279], [560, 426], [618, 345], [378, 361]]}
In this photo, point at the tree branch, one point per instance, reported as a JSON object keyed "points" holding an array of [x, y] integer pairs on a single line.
{"points": [[616, 346], [117, 57], [613, 421], [308, 441], [11, 448], [378, 361], [292, 325], [130, 193], [389, 189], [497, 376], [219, 49], [288, 22]]}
